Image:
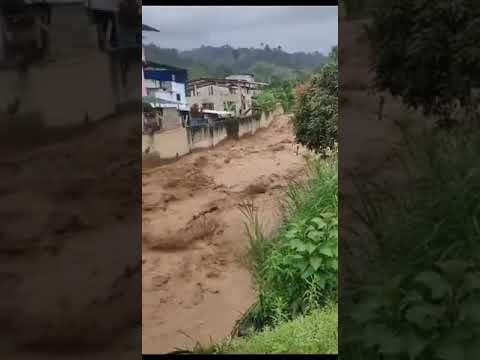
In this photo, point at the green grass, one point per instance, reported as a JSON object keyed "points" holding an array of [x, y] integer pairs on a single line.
{"points": [[316, 333]]}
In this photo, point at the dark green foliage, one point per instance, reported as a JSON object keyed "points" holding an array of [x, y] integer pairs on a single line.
{"points": [[316, 111], [424, 286], [427, 53], [265, 64]]}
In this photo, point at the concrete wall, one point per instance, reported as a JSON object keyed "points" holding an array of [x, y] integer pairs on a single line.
{"points": [[167, 144], [199, 138], [171, 119]]}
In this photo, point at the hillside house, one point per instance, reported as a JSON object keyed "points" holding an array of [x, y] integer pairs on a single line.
{"points": [[166, 90], [233, 94]]}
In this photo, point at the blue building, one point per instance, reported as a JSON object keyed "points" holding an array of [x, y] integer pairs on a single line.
{"points": [[167, 84]]}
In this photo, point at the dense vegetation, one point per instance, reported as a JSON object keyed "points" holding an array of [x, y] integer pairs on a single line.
{"points": [[297, 271], [423, 279], [266, 63], [316, 109], [423, 289], [427, 53]]}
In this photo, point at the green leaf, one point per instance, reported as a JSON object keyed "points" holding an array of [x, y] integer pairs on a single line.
{"points": [[291, 234], [319, 222], [333, 263], [315, 262], [315, 235], [329, 215], [310, 247], [438, 286], [325, 250]]}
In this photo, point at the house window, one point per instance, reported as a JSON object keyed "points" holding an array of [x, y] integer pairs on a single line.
{"points": [[208, 106], [178, 97], [210, 90]]}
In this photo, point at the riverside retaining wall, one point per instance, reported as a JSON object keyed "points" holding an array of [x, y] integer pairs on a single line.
{"points": [[177, 142]]}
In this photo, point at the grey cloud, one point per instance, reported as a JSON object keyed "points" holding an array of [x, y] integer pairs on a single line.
{"points": [[294, 28]]}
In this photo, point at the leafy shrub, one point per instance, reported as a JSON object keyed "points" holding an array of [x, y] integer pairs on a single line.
{"points": [[427, 53], [316, 109], [298, 271], [432, 314]]}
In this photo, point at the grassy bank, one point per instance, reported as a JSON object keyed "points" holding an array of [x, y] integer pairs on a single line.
{"points": [[316, 333]]}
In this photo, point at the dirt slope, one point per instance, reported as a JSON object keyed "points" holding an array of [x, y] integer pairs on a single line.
{"points": [[194, 284]]}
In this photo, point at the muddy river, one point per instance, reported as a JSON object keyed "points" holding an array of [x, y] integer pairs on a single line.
{"points": [[195, 284]]}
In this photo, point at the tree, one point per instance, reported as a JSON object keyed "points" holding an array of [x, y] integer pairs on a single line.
{"points": [[333, 55], [316, 109], [426, 53]]}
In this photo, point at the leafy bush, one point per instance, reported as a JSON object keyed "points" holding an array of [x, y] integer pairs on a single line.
{"points": [[316, 333], [284, 94], [316, 109], [297, 272], [277, 92], [427, 53], [265, 101]]}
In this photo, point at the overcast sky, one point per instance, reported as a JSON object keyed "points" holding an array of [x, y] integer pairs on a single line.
{"points": [[295, 28]]}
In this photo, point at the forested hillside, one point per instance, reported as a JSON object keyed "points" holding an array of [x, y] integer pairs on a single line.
{"points": [[267, 63]]}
